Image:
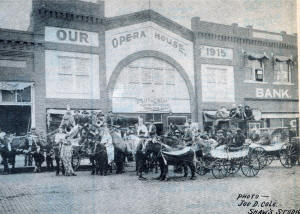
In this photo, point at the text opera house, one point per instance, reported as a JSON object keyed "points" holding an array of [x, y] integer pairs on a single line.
{"points": [[141, 64]]}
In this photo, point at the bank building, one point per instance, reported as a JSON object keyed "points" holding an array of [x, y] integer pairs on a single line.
{"points": [[141, 64]]}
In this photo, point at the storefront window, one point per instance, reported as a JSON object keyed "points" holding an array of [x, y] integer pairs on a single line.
{"points": [[16, 95]]}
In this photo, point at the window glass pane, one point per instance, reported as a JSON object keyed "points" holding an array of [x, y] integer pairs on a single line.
{"points": [[157, 76], [8, 96], [170, 76], [82, 65], [282, 72], [275, 122], [146, 75], [65, 64], [259, 75], [134, 75], [24, 95], [82, 83], [64, 83]]}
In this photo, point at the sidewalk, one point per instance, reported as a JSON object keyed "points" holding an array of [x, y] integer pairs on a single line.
{"points": [[20, 168]]}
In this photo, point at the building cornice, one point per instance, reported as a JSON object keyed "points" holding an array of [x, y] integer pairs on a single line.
{"points": [[243, 40], [144, 16], [17, 45], [44, 12]]}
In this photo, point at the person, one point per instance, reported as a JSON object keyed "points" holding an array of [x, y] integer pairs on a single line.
{"points": [[172, 129], [141, 128], [239, 139], [152, 129], [4, 152], [188, 136], [59, 138], [68, 121], [77, 117], [66, 152], [220, 138], [107, 142], [229, 137], [28, 148]]}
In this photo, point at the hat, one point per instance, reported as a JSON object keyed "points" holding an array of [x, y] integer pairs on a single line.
{"points": [[238, 129], [76, 110], [220, 131], [85, 112]]}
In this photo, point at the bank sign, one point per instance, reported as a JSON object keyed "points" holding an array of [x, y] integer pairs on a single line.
{"points": [[71, 36], [268, 93], [124, 41]]}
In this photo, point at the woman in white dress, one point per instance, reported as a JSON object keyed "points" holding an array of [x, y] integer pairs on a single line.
{"points": [[107, 142], [66, 152]]}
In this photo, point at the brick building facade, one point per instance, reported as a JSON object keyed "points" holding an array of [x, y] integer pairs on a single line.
{"points": [[141, 64]]}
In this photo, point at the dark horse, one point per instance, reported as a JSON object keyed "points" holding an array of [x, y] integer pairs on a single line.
{"points": [[100, 155], [10, 146], [157, 150]]}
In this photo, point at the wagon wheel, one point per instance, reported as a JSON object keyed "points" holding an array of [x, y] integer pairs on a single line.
{"points": [[219, 170], [269, 160], [232, 166], [250, 166], [261, 155], [288, 155], [200, 168], [76, 158]]}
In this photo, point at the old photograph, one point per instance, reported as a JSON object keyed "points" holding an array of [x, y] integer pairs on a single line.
{"points": [[149, 107]]}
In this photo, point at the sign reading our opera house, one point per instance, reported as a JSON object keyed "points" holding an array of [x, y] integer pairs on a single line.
{"points": [[71, 36], [148, 36]]}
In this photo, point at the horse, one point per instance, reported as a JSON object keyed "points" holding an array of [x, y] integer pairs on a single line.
{"points": [[164, 157], [10, 146], [120, 152], [101, 159]]}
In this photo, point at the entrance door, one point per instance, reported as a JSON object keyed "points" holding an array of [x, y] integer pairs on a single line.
{"points": [[157, 120], [15, 119]]}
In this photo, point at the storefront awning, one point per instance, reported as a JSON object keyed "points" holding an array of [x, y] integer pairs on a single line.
{"points": [[12, 86], [256, 56], [283, 59], [278, 115]]}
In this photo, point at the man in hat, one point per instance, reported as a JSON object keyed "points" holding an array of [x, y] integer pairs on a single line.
{"points": [[239, 139], [3, 152], [152, 129], [68, 121], [220, 138]]}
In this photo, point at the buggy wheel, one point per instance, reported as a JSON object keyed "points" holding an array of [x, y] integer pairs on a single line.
{"points": [[261, 155], [232, 166], [269, 160], [200, 168], [288, 155], [76, 158], [250, 166], [219, 170]]}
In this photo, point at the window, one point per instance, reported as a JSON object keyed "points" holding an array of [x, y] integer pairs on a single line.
{"points": [[282, 72], [72, 75], [255, 71], [16, 95], [217, 83]]}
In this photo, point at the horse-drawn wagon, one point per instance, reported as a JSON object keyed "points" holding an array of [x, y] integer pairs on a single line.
{"points": [[277, 147], [223, 161]]}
